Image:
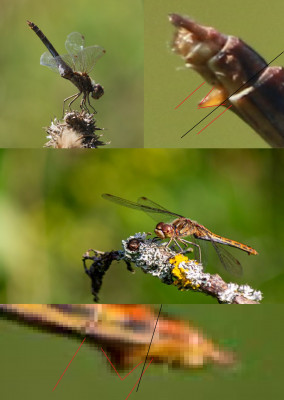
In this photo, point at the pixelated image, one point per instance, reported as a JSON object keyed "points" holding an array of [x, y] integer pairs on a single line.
{"points": [[109, 351], [124, 333]]}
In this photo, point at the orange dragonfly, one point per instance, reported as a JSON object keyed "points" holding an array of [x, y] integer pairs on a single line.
{"points": [[124, 332], [182, 227]]}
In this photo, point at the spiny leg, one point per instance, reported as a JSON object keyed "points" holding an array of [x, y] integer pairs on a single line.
{"points": [[88, 98], [75, 98], [193, 244], [172, 239], [83, 103], [70, 97]]}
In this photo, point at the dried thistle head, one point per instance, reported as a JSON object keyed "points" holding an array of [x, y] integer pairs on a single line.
{"points": [[76, 131]]}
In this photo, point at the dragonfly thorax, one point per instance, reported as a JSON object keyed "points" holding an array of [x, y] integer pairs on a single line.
{"points": [[164, 231]]}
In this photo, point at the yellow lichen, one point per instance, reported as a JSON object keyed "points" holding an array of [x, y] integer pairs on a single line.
{"points": [[176, 260], [181, 281]]}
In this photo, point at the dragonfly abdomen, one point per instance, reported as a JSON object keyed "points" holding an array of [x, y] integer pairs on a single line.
{"points": [[43, 38], [222, 240]]}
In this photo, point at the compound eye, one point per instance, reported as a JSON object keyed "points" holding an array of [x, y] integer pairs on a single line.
{"points": [[167, 229], [159, 226], [159, 230], [98, 91], [164, 230]]}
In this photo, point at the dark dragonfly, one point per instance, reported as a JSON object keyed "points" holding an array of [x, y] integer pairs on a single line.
{"points": [[182, 227], [74, 66]]}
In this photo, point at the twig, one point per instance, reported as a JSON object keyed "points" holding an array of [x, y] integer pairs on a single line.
{"points": [[172, 268], [101, 261]]}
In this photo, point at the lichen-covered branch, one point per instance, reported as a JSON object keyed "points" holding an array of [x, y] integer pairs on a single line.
{"points": [[157, 259]]}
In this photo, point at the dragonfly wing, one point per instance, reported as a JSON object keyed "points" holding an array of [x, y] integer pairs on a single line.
{"points": [[137, 206], [155, 210], [49, 61], [74, 43], [68, 59], [230, 263], [147, 202], [86, 59], [54, 62], [122, 202]]}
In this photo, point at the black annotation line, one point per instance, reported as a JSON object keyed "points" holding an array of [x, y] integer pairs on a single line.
{"points": [[149, 347], [255, 75]]}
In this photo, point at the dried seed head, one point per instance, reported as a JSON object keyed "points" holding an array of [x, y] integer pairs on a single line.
{"points": [[194, 42], [76, 131]]}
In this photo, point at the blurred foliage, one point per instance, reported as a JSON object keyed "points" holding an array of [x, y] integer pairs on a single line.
{"points": [[168, 82], [32, 95], [51, 212], [38, 359]]}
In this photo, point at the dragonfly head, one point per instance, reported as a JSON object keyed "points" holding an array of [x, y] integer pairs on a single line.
{"points": [[98, 91], [164, 231]]}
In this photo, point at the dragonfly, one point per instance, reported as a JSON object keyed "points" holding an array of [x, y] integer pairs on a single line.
{"points": [[74, 66], [123, 331], [181, 227]]}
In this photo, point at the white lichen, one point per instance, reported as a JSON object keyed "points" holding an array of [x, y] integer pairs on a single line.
{"points": [[233, 290]]}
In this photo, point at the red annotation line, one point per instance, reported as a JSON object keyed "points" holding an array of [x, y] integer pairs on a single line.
{"points": [[199, 107], [68, 364], [139, 378], [115, 368], [189, 96], [214, 119], [128, 372]]}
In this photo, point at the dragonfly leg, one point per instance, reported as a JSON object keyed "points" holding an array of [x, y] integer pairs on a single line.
{"points": [[88, 98], [70, 97], [193, 244], [178, 245], [175, 242], [75, 98], [169, 242], [83, 103]]}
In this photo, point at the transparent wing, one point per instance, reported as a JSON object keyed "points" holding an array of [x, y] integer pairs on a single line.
{"points": [[86, 59], [160, 211], [68, 59], [54, 62], [49, 61], [75, 42], [138, 206], [230, 263], [150, 203]]}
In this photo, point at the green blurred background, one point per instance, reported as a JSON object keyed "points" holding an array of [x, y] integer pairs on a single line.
{"points": [[31, 95], [168, 82], [32, 361], [51, 212]]}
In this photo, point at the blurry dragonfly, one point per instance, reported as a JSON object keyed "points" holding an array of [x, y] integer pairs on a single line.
{"points": [[123, 332], [182, 227], [75, 66]]}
